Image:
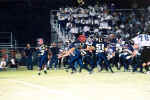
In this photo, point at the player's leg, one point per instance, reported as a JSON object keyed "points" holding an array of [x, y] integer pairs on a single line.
{"points": [[82, 66], [91, 63], [99, 62], [40, 65], [59, 63], [108, 65], [45, 64], [125, 63], [71, 61], [55, 62], [51, 62], [74, 66]]}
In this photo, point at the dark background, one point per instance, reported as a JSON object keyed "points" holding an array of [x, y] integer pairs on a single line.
{"points": [[29, 19]]}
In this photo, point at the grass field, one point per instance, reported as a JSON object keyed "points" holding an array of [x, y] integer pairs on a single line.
{"points": [[60, 85]]}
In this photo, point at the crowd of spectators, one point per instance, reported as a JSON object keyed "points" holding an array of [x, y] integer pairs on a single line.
{"points": [[99, 20]]}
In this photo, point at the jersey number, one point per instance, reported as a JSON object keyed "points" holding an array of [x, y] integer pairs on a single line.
{"points": [[144, 37], [99, 48]]}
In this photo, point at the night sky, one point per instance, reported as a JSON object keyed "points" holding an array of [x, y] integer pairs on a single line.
{"points": [[29, 19]]}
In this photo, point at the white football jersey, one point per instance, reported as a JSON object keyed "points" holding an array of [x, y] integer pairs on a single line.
{"points": [[142, 40]]}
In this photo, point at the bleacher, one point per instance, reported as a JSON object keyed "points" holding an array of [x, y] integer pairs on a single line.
{"points": [[71, 22]]}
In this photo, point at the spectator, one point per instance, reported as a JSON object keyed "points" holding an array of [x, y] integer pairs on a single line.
{"points": [[13, 63], [54, 50], [28, 54], [3, 64]]}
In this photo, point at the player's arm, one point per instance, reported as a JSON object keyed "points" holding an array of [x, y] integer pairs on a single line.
{"points": [[129, 51], [67, 53]]}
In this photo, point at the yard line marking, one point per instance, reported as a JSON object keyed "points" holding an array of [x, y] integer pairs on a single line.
{"points": [[37, 86], [51, 91]]}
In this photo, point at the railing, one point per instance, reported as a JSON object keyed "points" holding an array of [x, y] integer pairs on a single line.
{"points": [[6, 44]]}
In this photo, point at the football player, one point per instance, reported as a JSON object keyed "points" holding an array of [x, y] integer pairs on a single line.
{"points": [[43, 53], [100, 47]]}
